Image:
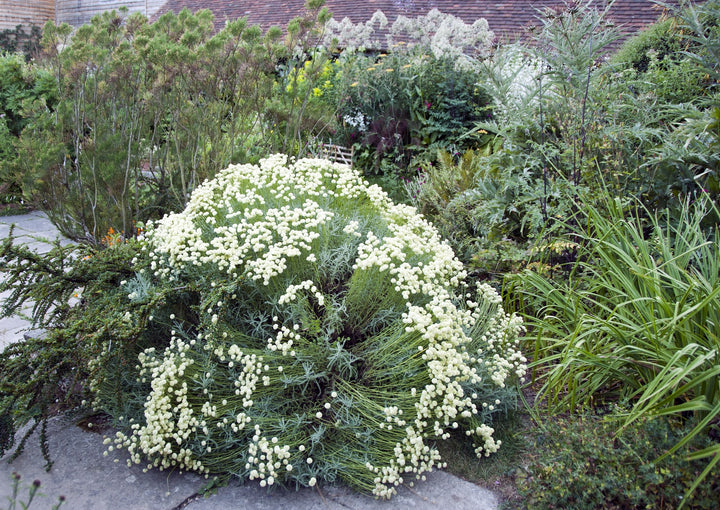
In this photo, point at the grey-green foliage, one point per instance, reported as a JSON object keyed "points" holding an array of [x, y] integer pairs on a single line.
{"points": [[571, 41], [551, 131], [702, 25], [493, 207], [567, 121]]}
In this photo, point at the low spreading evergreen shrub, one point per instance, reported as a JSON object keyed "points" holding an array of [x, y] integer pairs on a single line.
{"points": [[588, 462]]}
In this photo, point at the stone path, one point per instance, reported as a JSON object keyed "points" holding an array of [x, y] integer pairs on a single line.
{"points": [[91, 480], [35, 231]]}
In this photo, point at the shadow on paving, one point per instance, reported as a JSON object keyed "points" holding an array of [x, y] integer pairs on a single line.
{"points": [[90, 479]]}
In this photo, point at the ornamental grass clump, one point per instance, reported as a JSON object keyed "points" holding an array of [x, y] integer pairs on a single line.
{"points": [[328, 335]]}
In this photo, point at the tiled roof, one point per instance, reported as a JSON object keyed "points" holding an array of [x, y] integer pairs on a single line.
{"points": [[507, 19]]}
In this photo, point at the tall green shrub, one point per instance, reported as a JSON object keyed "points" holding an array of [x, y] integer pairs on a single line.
{"points": [[659, 54], [688, 158], [148, 111], [22, 88], [420, 95]]}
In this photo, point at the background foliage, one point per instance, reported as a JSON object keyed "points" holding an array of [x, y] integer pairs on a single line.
{"points": [[589, 462], [519, 157], [142, 113], [21, 39], [22, 85]]}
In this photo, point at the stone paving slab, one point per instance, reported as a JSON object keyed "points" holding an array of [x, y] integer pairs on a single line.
{"points": [[440, 491], [37, 232], [89, 479], [33, 229]]}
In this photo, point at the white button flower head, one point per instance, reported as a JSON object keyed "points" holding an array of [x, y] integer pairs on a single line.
{"points": [[313, 283]]}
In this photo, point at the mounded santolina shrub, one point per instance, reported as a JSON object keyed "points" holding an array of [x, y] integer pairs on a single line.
{"points": [[327, 335]]}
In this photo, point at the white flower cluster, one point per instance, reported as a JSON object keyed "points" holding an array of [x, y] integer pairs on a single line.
{"points": [[489, 444], [258, 243], [358, 121], [256, 222], [266, 459], [501, 353], [169, 417], [445, 35], [442, 325], [284, 339], [412, 457], [350, 36], [292, 290], [352, 228], [170, 421], [252, 370]]}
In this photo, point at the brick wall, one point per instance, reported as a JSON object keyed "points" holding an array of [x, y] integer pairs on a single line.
{"points": [[74, 12], [25, 12], [79, 12]]}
